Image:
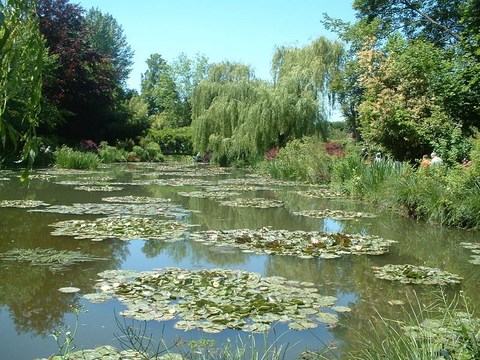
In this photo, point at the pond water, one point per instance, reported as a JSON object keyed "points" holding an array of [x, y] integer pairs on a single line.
{"points": [[32, 307]]}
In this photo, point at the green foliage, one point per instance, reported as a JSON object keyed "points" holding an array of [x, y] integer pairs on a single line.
{"points": [[148, 151], [110, 154], [445, 329], [68, 158], [173, 141], [239, 118], [302, 160], [21, 66], [107, 36]]}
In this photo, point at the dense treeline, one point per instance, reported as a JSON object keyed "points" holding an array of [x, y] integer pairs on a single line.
{"points": [[406, 75]]}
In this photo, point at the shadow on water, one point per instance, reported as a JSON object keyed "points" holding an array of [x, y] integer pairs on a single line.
{"points": [[31, 307]]}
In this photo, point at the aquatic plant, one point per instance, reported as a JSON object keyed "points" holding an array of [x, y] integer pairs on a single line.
{"points": [[444, 329], [153, 208], [209, 194], [475, 248], [334, 214], [22, 203], [214, 300], [253, 202], [98, 188], [122, 228], [322, 193], [304, 244], [55, 260], [411, 274]]}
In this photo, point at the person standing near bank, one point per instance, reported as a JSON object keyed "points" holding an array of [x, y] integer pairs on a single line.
{"points": [[436, 160]]}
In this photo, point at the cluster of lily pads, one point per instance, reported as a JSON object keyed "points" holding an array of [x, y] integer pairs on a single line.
{"points": [[253, 202], [334, 214], [214, 300], [122, 228], [22, 203], [153, 208], [304, 244], [475, 248], [98, 188], [411, 274], [108, 352], [55, 260], [323, 193], [209, 194]]}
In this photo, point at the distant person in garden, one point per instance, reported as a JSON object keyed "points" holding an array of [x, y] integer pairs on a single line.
{"points": [[378, 157], [425, 161], [436, 160]]}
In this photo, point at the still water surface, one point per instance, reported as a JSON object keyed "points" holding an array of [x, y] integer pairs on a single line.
{"points": [[32, 308]]}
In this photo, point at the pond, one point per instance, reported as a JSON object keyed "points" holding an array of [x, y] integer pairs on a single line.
{"points": [[175, 223]]}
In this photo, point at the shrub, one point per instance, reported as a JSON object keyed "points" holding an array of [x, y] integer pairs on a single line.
{"points": [[302, 160], [111, 154], [149, 152], [88, 145], [173, 141], [68, 158]]}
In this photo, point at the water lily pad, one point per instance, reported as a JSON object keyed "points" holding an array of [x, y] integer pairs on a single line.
{"points": [[334, 214], [98, 188], [55, 260], [322, 193], [253, 202], [69, 290], [305, 244], [410, 274], [214, 300], [22, 203], [152, 208], [475, 248], [129, 199], [122, 228], [209, 194]]}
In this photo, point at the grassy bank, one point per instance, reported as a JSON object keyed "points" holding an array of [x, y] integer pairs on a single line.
{"points": [[445, 194]]}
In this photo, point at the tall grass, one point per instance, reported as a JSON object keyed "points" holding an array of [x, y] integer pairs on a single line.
{"points": [[445, 329], [301, 160], [68, 158], [111, 154]]}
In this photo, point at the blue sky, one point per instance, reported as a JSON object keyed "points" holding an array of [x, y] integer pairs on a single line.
{"points": [[245, 31]]}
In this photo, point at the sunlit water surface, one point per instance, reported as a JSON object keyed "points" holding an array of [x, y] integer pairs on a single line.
{"points": [[32, 308]]}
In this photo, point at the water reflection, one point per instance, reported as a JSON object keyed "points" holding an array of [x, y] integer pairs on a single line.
{"points": [[29, 295]]}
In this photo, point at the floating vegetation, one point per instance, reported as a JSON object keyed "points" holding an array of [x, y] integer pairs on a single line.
{"points": [[215, 300], [305, 244], [475, 248], [334, 214], [55, 260], [98, 188], [22, 203], [159, 208], [253, 202], [411, 274], [69, 290], [219, 195], [108, 352], [122, 228], [135, 200], [322, 193], [173, 182], [256, 180], [239, 187]]}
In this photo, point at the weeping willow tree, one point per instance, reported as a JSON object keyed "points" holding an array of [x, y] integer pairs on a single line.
{"points": [[239, 117], [21, 65]]}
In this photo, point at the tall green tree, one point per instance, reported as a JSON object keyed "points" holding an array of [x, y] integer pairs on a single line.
{"points": [[82, 85], [107, 37], [239, 117], [435, 21], [21, 66]]}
